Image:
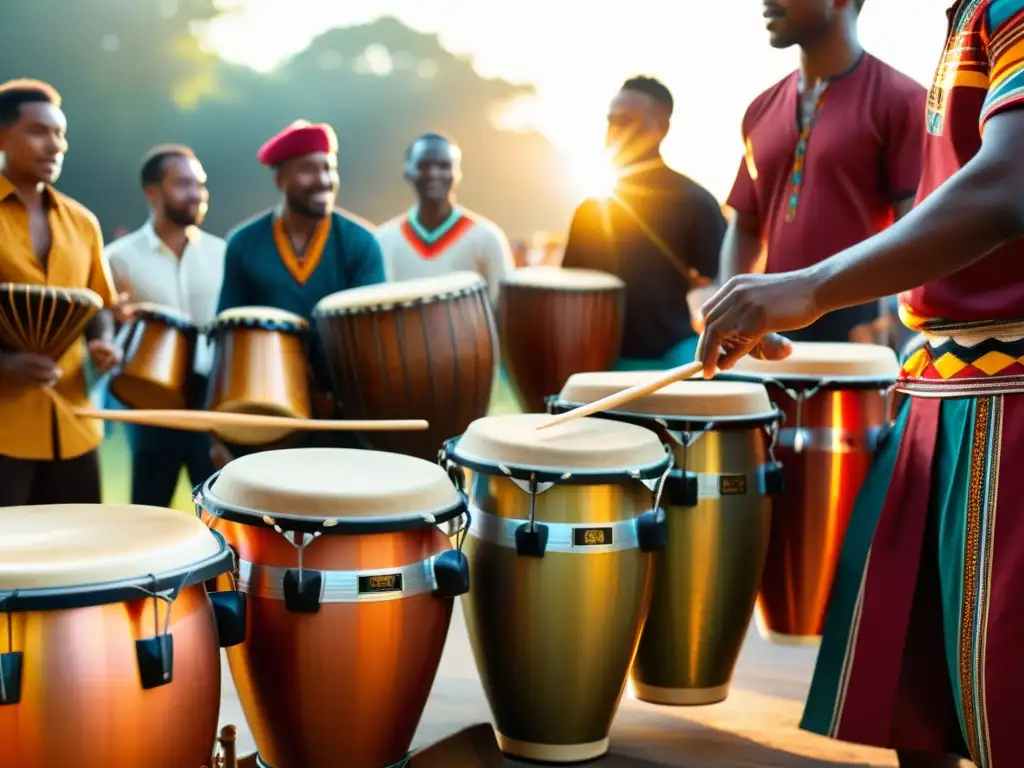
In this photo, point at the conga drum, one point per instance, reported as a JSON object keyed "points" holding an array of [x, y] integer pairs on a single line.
{"points": [[42, 319], [412, 349], [158, 360], [109, 642], [834, 397], [260, 366], [554, 322], [565, 521], [718, 515], [350, 588]]}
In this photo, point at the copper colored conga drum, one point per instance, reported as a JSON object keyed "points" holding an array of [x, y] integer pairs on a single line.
{"points": [[109, 642], [159, 357], [554, 322], [718, 516], [565, 524], [44, 320], [412, 349], [260, 366], [834, 397], [350, 588]]}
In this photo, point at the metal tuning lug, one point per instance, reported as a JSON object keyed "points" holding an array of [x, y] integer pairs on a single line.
{"points": [[303, 590], [652, 531], [451, 574]]}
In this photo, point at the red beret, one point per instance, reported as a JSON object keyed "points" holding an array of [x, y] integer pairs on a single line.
{"points": [[298, 139]]}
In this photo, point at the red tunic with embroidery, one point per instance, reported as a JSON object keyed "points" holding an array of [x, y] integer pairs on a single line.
{"points": [[981, 74]]}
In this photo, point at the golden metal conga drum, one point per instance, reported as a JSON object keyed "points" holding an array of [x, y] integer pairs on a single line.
{"points": [[109, 641], [159, 357], [718, 513], [565, 521], [834, 397], [350, 587], [260, 366]]}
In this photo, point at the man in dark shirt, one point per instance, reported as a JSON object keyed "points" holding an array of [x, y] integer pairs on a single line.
{"points": [[832, 156], [660, 232]]}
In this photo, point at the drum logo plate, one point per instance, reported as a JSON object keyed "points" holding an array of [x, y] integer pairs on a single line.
{"points": [[732, 485], [591, 537], [382, 582]]}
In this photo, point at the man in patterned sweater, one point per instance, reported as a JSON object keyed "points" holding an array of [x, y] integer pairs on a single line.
{"points": [[436, 236]]}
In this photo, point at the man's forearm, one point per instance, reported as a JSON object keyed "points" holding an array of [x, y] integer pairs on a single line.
{"points": [[740, 253], [977, 210], [101, 327]]}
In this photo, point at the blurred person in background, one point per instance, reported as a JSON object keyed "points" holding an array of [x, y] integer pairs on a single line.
{"points": [[169, 261], [437, 236], [659, 231]]}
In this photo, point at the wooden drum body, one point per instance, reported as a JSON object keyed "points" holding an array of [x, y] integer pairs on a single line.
{"points": [[109, 651], [718, 516], [158, 362], [564, 524], [834, 400], [348, 614], [413, 349], [261, 366], [554, 322]]}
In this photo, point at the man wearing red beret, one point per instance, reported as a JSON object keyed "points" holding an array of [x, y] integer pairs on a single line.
{"points": [[304, 249]]}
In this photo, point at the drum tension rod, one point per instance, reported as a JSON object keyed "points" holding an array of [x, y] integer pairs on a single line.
{"points": [[155, 655], [532, 537], [10, 663]]}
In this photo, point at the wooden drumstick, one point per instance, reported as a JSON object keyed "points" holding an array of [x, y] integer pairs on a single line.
{"points": [[627, 395], [205, 421]]}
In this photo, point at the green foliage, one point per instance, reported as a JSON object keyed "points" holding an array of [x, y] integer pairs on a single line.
{"points": [[132, 75]]}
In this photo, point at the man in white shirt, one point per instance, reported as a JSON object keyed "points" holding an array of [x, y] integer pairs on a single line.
{"points": [[169, 261], [437, 237]]}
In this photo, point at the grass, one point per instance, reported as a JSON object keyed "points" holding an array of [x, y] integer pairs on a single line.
{"points": [[116, 460]]}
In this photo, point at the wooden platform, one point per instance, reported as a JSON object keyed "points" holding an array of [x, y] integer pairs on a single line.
{"points": [[756, 727]]}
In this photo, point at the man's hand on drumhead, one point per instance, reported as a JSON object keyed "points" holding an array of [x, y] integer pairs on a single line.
{"points": [[747, 308]]}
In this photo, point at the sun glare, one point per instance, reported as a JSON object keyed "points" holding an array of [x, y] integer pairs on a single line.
{"points": [[595, 175]]}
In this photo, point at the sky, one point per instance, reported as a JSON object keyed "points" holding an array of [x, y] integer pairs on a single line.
{"points": [[714, 57]]}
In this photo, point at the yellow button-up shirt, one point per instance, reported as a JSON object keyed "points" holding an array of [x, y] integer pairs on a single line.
{"points": [[76, 260]]}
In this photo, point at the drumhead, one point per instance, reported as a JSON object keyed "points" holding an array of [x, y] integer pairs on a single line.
{"points": [[70, 295], [81, 545], [563, 278], [697, 399], [825, 360], [333, 487], [583, 445], [385, 295], [259, 316], [161, 312]]}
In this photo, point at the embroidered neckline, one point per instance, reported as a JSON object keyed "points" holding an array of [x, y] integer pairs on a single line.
{"points": [[302, 266]]}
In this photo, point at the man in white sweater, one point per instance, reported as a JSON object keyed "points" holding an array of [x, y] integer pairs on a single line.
{"points": [[437, 236]]}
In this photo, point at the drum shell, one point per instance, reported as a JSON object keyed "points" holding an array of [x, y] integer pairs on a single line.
{"points": [[707, 579], [554, 637], [259, 371], [347, 685], [82, 701], [158, 364], [809, 519], [549, 334], [432, 360]]}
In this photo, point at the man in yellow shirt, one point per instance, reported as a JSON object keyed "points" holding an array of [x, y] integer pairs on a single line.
{"points": [[47, 454]]}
